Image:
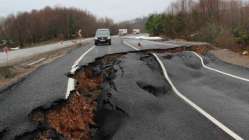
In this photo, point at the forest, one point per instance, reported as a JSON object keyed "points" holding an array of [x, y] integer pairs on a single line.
{"points": [[224, 23], [48, 24]]}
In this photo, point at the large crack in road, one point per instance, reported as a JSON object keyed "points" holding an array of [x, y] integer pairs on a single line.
{"points": [[121, 96]]}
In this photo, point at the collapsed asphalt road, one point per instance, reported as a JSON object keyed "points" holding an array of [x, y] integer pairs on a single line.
{"points": [[126, 96], [43, 86], [132, 101], [143, 106], [221, 89], [225, 97]]}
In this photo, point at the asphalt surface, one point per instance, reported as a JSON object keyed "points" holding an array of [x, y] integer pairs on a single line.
{"points": [[226, 98], [101, 50], [212, 61], [149, 108], [145, 106]]}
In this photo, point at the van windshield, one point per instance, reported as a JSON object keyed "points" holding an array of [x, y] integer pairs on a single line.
{"points": [[103, 33]]}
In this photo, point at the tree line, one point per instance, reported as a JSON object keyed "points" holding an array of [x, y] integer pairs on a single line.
{"points": [[138, 23], [222, 22], [51, 24]]}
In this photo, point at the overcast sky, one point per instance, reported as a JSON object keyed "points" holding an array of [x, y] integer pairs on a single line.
{"points": [[119, 10]]}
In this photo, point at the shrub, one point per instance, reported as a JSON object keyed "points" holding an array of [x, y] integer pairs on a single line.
{"points": [[174, 25], [225, 39], [154, 25], [7, 72], [209, 33], [242, 35]]}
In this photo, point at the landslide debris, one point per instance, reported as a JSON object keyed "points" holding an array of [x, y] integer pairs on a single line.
{"points": [[73, 119], [64, 119]]}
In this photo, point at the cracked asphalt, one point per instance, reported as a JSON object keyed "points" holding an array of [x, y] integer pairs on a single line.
{"points": [[224, 97], [149, 107], [153, 110], [43, 86]]}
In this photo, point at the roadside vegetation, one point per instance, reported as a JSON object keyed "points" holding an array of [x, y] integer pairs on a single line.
{"points": [[50, 24], [138, 23], [7, 72], [53, 24], [224, 23]]}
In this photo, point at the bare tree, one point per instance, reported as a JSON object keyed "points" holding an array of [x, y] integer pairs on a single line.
{"points": [[52, 23]]}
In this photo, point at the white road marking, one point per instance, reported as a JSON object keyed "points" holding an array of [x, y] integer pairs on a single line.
{"points": [[36, 62], [71, 81], [82, 56], [192, 104], [221, 72], [196, 107]]}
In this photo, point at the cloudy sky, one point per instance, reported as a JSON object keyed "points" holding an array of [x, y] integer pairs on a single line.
{"points": [[117, 9]]}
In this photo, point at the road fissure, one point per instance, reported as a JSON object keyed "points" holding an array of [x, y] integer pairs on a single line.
{"points": [[71, 81]]}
